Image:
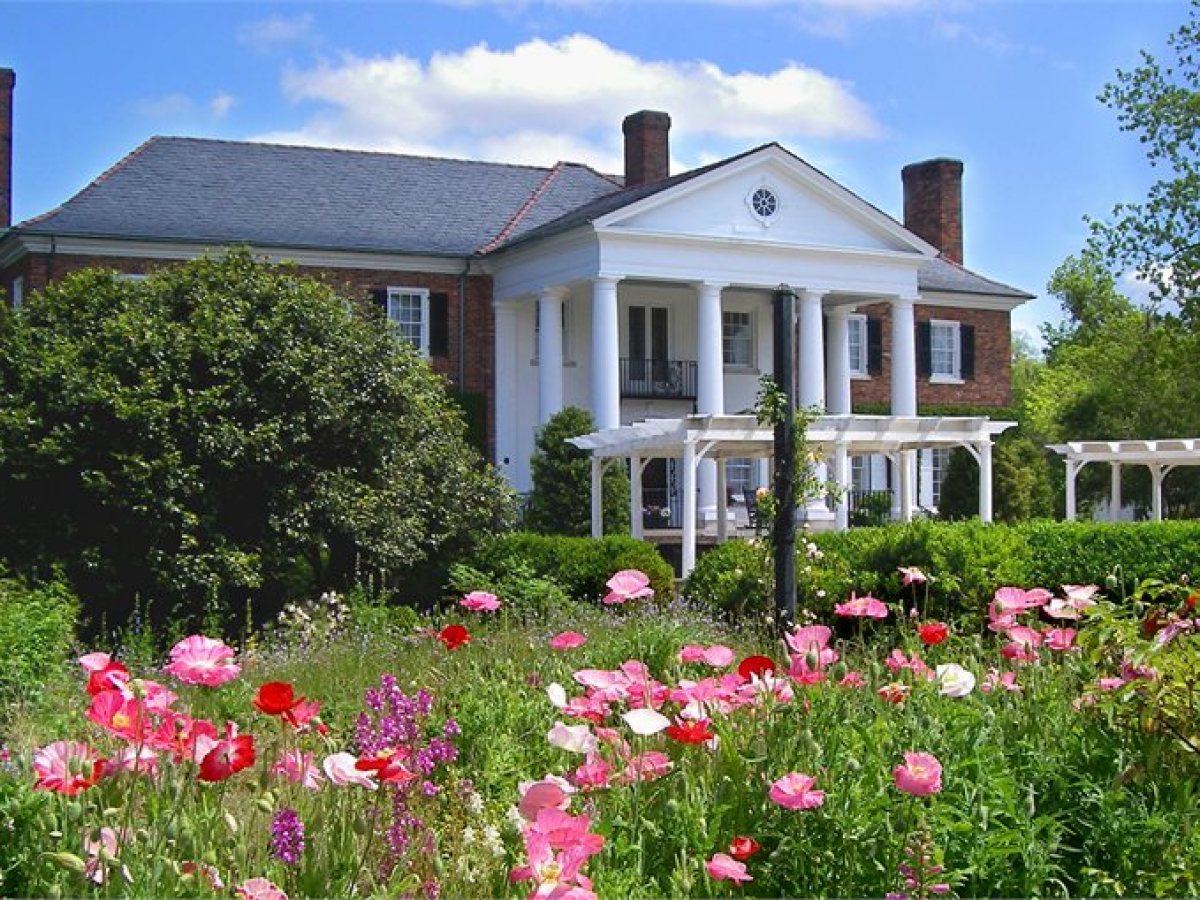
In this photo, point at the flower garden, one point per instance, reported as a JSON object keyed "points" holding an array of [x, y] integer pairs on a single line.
{"points": [[629, 747]]}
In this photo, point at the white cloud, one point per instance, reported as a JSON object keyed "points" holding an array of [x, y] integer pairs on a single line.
{"points": [[221, 104], [265, 35], [544, 101], [166, 106]]}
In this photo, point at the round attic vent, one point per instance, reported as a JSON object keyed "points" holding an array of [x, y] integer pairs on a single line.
{"points": [[763, 203]]}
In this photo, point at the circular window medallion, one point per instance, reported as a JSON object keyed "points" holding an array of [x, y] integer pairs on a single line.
{"points": [[764, 204]]}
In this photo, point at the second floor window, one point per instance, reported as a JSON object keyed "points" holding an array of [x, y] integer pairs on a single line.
{"points": [[737, 339], [943, 350], [856, 333]]}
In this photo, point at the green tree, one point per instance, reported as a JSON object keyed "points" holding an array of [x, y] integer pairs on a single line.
{"points": [[562, 481], [1159, 238], [1021, 487], [207, 432]]}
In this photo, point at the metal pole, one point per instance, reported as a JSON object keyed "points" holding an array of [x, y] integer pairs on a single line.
{"points": [[783, 531]]}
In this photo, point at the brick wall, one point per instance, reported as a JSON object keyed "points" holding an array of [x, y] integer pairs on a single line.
{"points": [[475, 313], [992, 384]]}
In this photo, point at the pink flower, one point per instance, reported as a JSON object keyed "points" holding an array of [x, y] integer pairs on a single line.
{"points": [[102, 850], [853, 680], [920, 775], [480, 601], [550, 793], [809, 640], [572, 738], [202, 660], [1061, 639], [67, 767], [795, 791], [142, 760], [341, 769], [592, 774], [259, 889], [896, 692], [723, 867], [912, 575], [645, 722], [567, 640], [862, 607], [647, 767], [298, 768], [628, 584], [119, 715], [994, 680]]}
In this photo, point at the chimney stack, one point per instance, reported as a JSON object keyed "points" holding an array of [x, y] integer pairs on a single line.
{"points": [[647, 153], [8, 78], [933, 204]]}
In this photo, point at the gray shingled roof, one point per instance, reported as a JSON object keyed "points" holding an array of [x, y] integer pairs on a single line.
{"points": [[943, 275], [228, 192]]}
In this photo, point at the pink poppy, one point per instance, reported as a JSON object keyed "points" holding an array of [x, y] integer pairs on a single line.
{"points": [[628, 584], [795, 791], [896, 692], [1061, 639], [691, 653], [853, 680], [811, 639], [545, 794], [920, 775], [592, 774], [567, 640], [718, 656], [119, 715], [647, 767], [259, 889], [141, 760], [104, 672], [341, 770], [67, 767], [102, 848], [480, 601], [572, 738], [864, 607], [298, 767], [993, 680], [913, 575], [723, 867], [203, 660]]}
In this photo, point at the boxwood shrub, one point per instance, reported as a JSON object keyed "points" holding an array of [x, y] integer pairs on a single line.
{"points": [[579, 565]]}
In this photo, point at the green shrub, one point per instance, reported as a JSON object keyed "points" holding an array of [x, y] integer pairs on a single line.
{"points": [[37, 627], [524, 593], [579, 565], [1087, 552], [734, 577]]}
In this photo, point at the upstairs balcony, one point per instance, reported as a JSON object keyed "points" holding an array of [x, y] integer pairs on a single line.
{"points": [[658, 379]]}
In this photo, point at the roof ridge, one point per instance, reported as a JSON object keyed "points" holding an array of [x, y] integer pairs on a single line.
{"points": [[530, 201]]}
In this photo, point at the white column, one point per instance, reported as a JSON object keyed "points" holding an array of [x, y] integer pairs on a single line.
{"points": [[636, 521], [710, 380], [722, 503], [597, 497], [506, 388], [550, 352], [904, 380], [837, 364], [688, 550], [1156, 480], [925, 481], [606, 354], [985, 481], [1114, 499], [810, 390], [841, 475], [1072, 470]]}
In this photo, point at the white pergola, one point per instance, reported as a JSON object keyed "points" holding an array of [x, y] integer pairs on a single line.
{"points": [[1160, 457], [695, 438]]}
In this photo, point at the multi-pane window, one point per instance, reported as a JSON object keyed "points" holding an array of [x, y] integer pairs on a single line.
{"points": [[408, 310], [737, 338], [937, 473], [739, 476], [860, 473], [943, 349], [856, 332], [18, 292]]}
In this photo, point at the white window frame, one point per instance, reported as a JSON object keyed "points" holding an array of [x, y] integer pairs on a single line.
{"points": [[750, 341], [740, 475], [954, 376], [860, 473], [857, 322], [17, 296], [394, 296]]}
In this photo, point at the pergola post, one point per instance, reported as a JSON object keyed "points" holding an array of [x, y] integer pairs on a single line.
{"points": [[722, 502], [637, 524], [1156, 480], [1114, 499], [985, 481], [904, 464], [1073, 468], [688, 561], [597, 496], [841, 475]]}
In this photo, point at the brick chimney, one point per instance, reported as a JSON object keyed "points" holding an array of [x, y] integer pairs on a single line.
{"points": [[8, 78], [933, 204], [647, 153]]}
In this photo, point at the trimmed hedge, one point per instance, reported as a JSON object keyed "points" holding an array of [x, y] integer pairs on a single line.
{"points": [[37, 628], [968, 560], [580, 565]]}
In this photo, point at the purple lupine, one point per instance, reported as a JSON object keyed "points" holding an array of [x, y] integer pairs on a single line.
{"points": [[287, 837]]}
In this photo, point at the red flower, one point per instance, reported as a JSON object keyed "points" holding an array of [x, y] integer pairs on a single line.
{"points": [[756, 665], [933, 633], [232, 754], [276, 698], [388, 765], [1154, 622], [695, 732], [454, 636], [742, 848], [107, 678]]}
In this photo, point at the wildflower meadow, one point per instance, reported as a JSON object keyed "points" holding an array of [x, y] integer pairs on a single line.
{"points": [[628, 747]]}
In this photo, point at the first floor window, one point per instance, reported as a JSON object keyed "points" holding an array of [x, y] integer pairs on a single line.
{"points": [[737, 339], [860, 473], [408, 310], [944, 350], [18, 292], [937, 468], [856, 333], [739, 476]]}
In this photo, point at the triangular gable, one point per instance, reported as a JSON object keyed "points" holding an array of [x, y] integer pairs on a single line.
{"points": [[810, 209]]}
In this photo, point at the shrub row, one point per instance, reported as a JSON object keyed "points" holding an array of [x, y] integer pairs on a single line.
{"points": [[969, 560], [37, 628]]}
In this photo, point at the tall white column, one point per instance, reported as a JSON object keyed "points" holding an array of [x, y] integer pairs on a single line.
{"points": [[710, 381], [985, 481], [904, 381], [837, 363], [550, 352], [1114, 500], [810, 391], [506, 389], [606, 354]]}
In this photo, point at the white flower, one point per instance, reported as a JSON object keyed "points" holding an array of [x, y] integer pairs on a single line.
{"points": [[954, 680], [474, 804], [645, 721], [557, 694], [575, 738]]}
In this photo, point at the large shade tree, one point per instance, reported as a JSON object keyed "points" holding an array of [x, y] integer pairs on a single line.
{"points": [[209, 432]]}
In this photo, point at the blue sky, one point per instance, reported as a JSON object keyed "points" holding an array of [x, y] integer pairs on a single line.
{"points": [[859, 88]]}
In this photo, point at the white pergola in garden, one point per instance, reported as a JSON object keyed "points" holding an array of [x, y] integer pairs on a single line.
{"points": [[1160, 457], [694, 439]]}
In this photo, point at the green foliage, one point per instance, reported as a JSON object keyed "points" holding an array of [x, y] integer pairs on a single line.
{"points": [[735, 578], [580, 566], [37, 628], [195, 436], [562, 481], [524, 593], [1021, 485], [1088, 552]]}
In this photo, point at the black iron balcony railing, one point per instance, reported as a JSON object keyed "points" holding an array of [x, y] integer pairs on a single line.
{"points": [[870, 507], [666, 379]]}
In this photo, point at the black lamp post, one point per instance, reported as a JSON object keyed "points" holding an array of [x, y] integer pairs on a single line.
{"points": [[783, 530]]}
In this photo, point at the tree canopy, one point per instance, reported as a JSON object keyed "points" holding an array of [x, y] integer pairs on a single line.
{"points": [[212, 430]]}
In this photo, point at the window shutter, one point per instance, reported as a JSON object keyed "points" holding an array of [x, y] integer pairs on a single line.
{"points": [[439, 324], [874, 346], [924, 349], [967, 336], [379, 298]]}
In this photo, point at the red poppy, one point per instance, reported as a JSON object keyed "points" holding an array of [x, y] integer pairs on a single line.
{"points": [[276, 698], [695, 732], [388, 766], [1190, 602], [756, 665], [1153, 623], [107, 678], [230, 755], [454, 636], [933, 633], [742, 848]]}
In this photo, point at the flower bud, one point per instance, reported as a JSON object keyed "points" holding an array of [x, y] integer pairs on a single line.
{"points": [[231, 823], [265, 805], [68, 861]]}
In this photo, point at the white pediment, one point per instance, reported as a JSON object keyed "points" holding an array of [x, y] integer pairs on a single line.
{"points": [[767, 196]]}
